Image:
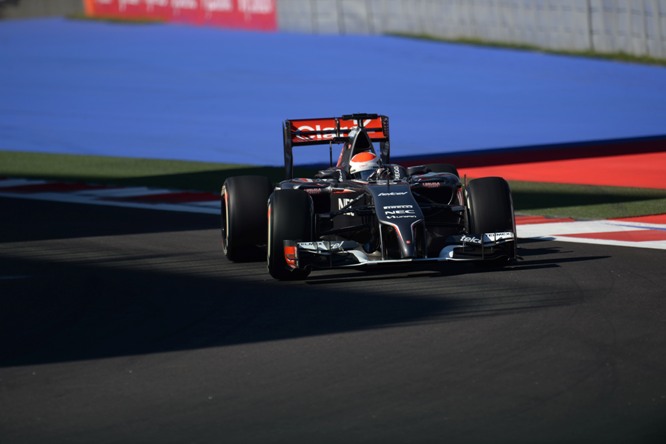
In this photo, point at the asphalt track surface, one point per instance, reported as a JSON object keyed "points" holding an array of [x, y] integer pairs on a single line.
{"points": [[127, 325]]}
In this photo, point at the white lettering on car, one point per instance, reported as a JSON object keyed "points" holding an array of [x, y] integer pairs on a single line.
{"points": [[471, 240], [400, 214], [393, 207], [488, 237], [393, 193], [343, 202], [321, 245], [318, 128]]}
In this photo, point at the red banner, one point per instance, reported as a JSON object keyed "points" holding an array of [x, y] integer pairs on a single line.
{"points": [[245, 14]]}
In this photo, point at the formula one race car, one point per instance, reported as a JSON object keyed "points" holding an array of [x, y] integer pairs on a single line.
{"points": [[363, 211]]}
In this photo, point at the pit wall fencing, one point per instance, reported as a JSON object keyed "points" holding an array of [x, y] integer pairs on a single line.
{"points": [[635, 27], [20, 9]]}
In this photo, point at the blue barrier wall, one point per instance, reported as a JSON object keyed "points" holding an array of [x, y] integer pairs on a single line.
{"points": [[635, 27], [202, 93]]}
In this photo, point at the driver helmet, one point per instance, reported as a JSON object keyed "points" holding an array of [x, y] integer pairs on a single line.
{"points": [[362, 165]]}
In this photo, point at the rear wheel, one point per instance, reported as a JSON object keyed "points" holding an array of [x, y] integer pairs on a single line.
{"points": [[244, 202], [490, 207], [290, 217]]}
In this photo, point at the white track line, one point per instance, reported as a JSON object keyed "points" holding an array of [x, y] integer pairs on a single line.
{"points": [[91, 200], [559, 230], [120, 192], [7, 183], [547, 231]]}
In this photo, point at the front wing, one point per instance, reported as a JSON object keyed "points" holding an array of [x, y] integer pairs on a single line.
{"points": [[348, 253]]}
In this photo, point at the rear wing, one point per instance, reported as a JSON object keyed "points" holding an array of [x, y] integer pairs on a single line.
{"points": [[329, 130]]}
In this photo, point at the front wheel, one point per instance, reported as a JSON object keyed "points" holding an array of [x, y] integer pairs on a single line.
{"points": [[290, 218], [490, 208]]}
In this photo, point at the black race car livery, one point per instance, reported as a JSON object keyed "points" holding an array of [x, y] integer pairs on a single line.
{"points": [[363, 211]]}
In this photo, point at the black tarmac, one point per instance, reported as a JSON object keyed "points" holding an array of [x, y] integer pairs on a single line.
{"points": [[123, 325]]}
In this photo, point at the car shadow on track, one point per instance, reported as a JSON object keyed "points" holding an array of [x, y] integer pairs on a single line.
{"points": [[31, 220], [81, 289], [533, 254], [66, 311]]}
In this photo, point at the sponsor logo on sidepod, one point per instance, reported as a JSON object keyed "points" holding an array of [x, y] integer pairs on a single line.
{"points": [[343, 202]]}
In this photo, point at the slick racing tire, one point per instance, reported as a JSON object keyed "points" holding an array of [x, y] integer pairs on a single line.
{"points": [[442, 168], [244, 202], [490, 208], [290, 217]]}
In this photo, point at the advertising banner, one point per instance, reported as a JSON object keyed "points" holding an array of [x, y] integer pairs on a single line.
{"points": [[244, 14]]}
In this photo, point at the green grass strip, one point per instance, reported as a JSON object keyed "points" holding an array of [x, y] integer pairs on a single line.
{"points": [[586, 201], [126, 171], [557, 200]]}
